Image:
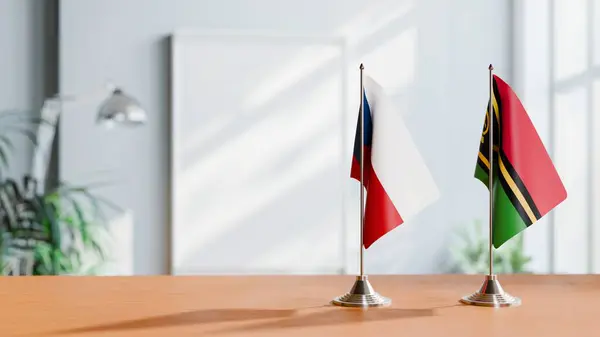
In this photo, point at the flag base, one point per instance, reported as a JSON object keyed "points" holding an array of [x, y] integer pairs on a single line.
{"points": [[361, 295], [491, 294]]}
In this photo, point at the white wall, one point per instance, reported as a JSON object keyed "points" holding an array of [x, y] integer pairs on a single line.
{"points": [[443, 49], [22, 67]]}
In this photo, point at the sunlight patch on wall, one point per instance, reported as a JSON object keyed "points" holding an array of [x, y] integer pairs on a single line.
{"points": [[375, 17], [393, 63], [310, 62]]}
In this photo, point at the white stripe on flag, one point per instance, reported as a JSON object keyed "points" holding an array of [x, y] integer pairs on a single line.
{"points": [[395, 158]]}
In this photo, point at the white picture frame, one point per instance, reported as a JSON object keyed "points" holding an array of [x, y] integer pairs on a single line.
{"points": [[227, 236]]}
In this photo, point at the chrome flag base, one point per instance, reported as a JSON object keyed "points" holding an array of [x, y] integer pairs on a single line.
{"points": [[362, 295], [491, 294]]}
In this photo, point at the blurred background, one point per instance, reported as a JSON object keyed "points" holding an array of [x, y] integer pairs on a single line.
{"points": [[242, 166]]}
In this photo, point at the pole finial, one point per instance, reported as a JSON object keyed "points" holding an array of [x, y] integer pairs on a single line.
{"points": [[491, 67], [361, 67]]}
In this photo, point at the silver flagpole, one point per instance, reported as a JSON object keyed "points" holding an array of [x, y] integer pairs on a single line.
{"points": [[491, 172], [362, 168], [362, 293], [491, 293]]}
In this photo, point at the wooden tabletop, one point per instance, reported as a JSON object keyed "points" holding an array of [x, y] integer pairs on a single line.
{"points": [[292, 306]]}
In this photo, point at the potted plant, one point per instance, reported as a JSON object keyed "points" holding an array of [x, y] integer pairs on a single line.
{"points": [[471, 254], [47, 232]]}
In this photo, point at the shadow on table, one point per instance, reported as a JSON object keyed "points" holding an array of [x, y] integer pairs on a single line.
{"points": [[187, 318], [333, 316], [275, 318]]}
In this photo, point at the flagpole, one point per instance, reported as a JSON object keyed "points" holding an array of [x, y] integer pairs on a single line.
{"points": [[362, 293], [362, 168], [491, 294], [491, 172]]}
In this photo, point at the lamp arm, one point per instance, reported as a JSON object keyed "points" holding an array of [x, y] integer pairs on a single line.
{"points": [[46, 131], [45, 137], [109, 87]]}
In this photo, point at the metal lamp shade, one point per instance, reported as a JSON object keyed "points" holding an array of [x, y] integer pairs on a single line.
{"points": [[122, 109]]}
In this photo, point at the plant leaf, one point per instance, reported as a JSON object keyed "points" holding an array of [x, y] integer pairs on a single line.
{"points": [[82, 224], [7, 142], [43, 253], [30, 135], [98, 249], [49, 213], [3, 158]]}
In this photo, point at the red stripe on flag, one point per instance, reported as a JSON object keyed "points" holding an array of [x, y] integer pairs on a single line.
{"points": [[526, 152], [355, 169], [381, 216]]}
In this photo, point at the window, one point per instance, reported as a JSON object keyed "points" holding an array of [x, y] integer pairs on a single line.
{"points": [[556, 55]]}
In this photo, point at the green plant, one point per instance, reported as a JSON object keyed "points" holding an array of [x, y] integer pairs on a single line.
{"points": [[471, 255], [61, 231], [77, 214]]}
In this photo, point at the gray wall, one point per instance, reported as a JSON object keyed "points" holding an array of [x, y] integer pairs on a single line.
{"points": [[27, 65], [126, 41]]}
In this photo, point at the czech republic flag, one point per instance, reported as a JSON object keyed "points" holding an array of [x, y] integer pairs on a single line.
{"points": [[398, 184]]}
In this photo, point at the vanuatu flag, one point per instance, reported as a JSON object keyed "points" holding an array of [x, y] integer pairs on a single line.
{"points": [[526, 185]]}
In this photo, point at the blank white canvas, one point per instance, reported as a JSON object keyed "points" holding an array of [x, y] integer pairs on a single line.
{"points": [[258, 154]]}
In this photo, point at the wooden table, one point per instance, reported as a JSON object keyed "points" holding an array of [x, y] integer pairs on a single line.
{"points": [[292, 306]]}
